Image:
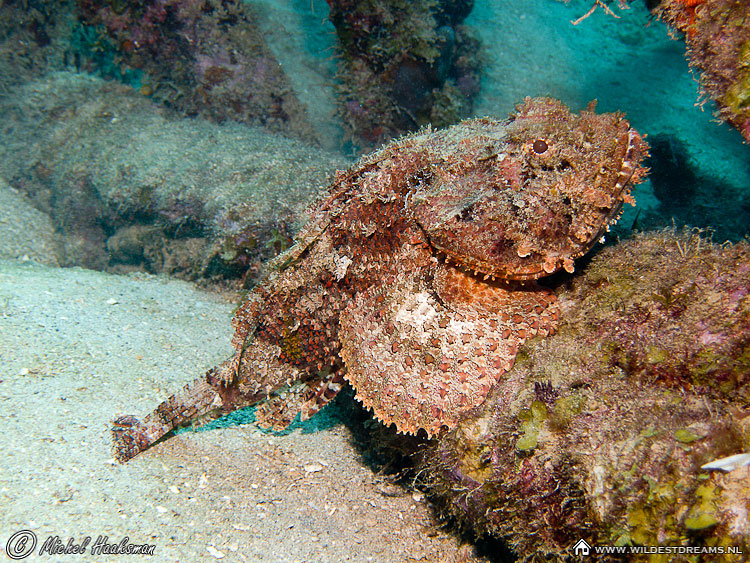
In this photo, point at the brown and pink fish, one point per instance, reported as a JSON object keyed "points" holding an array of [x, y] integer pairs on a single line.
{"points": [[414, 280]]}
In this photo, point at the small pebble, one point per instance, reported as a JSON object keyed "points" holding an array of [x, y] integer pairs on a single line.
{"points": [[215, 552], [313, 467], [389, 490]]}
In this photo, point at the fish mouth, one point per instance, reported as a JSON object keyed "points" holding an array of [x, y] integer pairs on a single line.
{"points": [[486, 271]]}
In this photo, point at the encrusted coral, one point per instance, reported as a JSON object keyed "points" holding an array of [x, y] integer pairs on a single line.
{"points": [[413, 278], [403, 65], [204, 57], [600, 432], [717, 33], [34, 38]]}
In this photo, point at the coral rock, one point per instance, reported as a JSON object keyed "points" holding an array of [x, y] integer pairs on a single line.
{"points": [[717, 33], [626, 427], [207, 58], [403, 64], [414, 278]]}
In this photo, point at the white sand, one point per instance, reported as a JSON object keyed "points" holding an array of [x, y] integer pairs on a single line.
{"points": [[78, 347]]}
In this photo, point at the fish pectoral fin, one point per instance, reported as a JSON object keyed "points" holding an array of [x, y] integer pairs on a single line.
{"points": [[305, 398], [427, 347]]}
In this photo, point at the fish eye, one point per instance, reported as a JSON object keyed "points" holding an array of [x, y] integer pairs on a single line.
{"points": [[540, 146]]}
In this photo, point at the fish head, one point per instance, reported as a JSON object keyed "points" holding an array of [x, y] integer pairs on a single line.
{"points": [[520, 199]]}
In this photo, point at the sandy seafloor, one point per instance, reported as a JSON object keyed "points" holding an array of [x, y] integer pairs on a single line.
{"points": [[78, 347]]}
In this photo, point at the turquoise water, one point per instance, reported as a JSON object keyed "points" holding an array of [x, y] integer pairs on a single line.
{"points": [[629, 64]]}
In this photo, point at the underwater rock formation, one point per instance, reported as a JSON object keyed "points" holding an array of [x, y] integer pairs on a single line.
{"points": [[129, 185], [603, 431], [34, 38], [204, 58], [414, 279], [717, 33], [404, 65]]}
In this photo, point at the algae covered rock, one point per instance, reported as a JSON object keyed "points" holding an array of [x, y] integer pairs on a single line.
{"points": [[607, 430], [403, 65], [130, 185], [205, 58], [34, 39]]}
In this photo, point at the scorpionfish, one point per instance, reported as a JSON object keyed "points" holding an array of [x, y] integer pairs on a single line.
{"points": [[414, 279]]}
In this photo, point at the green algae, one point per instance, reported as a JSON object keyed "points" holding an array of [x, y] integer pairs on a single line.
{"points": [[702, 514], [656, 355], [565, 410], [737, 97], [532, 420], [686, 436]]}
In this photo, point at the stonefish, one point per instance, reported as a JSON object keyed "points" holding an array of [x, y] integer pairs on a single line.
{"points": [[414, 278]]}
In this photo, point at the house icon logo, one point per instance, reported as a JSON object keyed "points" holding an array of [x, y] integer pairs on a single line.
{"points": [[581, 548]]}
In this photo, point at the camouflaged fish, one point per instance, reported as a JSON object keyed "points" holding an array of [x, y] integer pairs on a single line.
{"points": [[414, 278]]}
